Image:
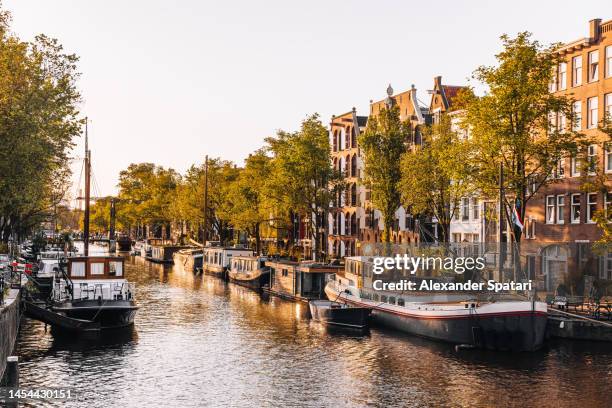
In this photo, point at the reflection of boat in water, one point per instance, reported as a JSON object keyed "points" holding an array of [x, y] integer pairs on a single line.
{"points": [[339, 314], [455, 318], [249, 271], [91, 295]]}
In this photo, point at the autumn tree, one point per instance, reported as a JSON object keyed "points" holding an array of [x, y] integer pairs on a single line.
{"points": [[514, 123], [301, 176], [382, 146], [434, 177], [39, 119]]}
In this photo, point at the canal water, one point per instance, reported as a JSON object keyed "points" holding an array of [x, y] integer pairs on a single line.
{"points": [[200, 342]]}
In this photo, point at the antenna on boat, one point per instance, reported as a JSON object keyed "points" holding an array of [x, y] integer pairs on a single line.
{"points": [[87, 192], [205, 232]]}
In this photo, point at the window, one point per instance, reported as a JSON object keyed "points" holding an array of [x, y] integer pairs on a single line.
{"points": [[574, 170], [592, 112], [608, 107], [77, 269], [575, 214], [561, 168], [592, 159], [607, 205], [562, 122], [465, 209], [550, 209], [552, 85], [115, 268], [609, 61], [96, 268], [560, 209], [577, 119], [552, 122], [284, 272], [593, 65], [577, 70], [475, 209], [562, 76], [456, 237], [608, 157], [591, 206], [530, 228]]}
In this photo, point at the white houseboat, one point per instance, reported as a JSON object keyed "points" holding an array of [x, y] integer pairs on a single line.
{"points": [[217, 259], [249, 271], [480, 320]]}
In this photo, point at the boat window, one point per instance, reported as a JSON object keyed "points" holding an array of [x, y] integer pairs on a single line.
{"points": [[285, 272], [77, 269], [391, 300], [383, 298], [351, 282], [375, 296], [115, 268], [96, 268], [400, 302]]}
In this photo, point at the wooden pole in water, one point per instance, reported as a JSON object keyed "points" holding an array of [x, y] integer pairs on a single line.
{"points": [[12, 371], [87, 192], [205, 232]]}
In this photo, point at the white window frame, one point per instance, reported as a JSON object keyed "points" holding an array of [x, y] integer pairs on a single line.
{"points": [[96, 268], [465, 209], [573, 205], [577, 119], [577, 70], [593, 58], [574, 169], [608, 157], [607, 204], [607, 114], [560, 209], [77, 269], [592, 159], [608, 61], [550, 209], [561, 168], [475, 208], [589, 216], [562, 83], [592, 112]]}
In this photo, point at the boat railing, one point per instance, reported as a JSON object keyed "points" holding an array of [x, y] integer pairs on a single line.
{"points": [[97, 291]]}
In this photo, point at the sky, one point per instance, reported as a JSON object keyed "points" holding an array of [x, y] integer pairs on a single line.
{"points": [[171, 81]]}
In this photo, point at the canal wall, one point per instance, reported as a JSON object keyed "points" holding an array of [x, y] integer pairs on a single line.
{"points": [[9, 325]]}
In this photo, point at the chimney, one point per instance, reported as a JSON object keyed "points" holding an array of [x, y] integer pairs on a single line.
{"points": [[437, 82], [594, 29]]}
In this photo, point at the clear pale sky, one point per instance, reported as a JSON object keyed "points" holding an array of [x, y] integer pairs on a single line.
{"points": [[170, 81]]}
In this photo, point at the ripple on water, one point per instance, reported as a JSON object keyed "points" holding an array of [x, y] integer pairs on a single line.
{"points": [[198, 341]]}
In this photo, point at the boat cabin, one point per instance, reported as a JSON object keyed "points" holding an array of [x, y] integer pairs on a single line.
{"points": [[95, 278], [247, 264], [220, 258], [299, 280]]}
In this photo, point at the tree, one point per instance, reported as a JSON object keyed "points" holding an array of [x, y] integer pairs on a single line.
{"points": [[434, 177], [382, 145], [38, 121], [514, 123], [302, 179]]}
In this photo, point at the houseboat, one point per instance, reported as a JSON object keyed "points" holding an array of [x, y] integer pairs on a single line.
{"points": [[164, 253], [339, 314], [504, 322], [301, 281], [94, 289], [190, 258], [217, 259], [249, 271]]}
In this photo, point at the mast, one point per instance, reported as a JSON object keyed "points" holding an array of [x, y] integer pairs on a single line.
{"points": [[501, 221], [205, 232], [87, 193]]}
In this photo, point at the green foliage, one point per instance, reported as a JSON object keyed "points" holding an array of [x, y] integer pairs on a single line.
{"points": [[382, 145], [301, 179], [510, 124], [435, 177], [38, 121]]}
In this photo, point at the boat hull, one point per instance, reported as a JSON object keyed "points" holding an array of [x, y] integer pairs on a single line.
{"points": [[109, 314], [520, 328], [218, 272], [349, 317], [255, 282]]}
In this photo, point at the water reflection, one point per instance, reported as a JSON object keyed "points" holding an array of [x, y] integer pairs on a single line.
{"points": [[198, 341]]}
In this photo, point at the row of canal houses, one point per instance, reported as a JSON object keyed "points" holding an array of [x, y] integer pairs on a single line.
{"points": [[559, 225]]}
